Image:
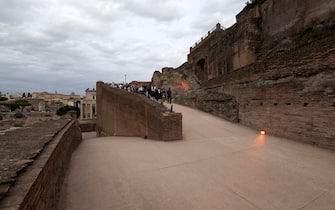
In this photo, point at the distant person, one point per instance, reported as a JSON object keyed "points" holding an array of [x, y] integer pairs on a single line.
{"points": [[159, 95], [169, 95]]}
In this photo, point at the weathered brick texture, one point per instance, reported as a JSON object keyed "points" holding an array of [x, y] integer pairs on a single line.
{"points": [[122, 113]]}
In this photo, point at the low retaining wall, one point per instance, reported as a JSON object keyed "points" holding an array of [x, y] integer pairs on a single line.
{"points": [[87, 125], [39, 186], [122, 113]]}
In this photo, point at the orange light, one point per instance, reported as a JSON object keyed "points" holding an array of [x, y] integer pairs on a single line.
{"points": [[262, 132], [183, 84]]}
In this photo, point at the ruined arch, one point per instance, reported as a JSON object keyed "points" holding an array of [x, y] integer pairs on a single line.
{"points": [[200, 70]]}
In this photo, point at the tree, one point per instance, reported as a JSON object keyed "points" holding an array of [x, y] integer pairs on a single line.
{"points": [[11, 106], [65, 109], [3, 98], [16, 105], [77, 104], [22, 103]]}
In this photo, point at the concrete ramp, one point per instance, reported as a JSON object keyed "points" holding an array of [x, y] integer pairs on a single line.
{"points": [[218, 165]]}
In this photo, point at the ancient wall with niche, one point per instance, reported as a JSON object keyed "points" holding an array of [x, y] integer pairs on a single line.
{"points": [[271, 79], [200, 57], [226, 50]]}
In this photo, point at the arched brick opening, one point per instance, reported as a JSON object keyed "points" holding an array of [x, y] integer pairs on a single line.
{"points": [[200, 70]]}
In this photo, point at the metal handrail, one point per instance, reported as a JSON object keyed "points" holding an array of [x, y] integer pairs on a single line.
{"points": [[218, 26]]}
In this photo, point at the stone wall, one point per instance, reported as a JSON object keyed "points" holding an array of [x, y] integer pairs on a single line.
{"points": [[224, 51], [122, 113], [39, 186], [87, 125], [284, 18], [290, 96], [279, 76]]}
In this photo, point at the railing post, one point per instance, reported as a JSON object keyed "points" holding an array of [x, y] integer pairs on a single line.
{"points": [[218, 26]]}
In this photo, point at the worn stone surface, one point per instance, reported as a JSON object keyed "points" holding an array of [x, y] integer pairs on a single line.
{"points": [[20, 147]]}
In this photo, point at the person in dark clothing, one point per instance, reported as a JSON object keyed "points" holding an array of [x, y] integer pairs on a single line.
{"points": [[169, 95]]}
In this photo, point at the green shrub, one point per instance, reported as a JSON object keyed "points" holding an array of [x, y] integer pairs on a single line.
{"points": [[2, 98], [18, 115]]}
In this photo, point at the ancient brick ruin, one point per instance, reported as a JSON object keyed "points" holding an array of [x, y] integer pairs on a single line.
{"points": [[272, 70], [123, 113]]}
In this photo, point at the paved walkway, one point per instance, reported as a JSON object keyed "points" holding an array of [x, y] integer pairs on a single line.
{"points": [[218, 165]]}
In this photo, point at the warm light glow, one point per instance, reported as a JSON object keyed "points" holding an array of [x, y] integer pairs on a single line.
{"points": [[260, 141], [262, 132], [183, 84]]}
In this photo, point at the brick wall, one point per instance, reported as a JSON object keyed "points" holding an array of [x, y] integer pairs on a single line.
{"points": [[282, 18], [288, 90], [122, 113], [39, 186], [293, 94], [289, 94]]}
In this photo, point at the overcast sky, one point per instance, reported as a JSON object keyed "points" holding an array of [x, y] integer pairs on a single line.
{"points": [[68, 45]]}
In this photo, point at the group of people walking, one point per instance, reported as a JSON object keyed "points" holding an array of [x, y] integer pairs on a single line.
{"points": [[151, 91], [159, 94]]}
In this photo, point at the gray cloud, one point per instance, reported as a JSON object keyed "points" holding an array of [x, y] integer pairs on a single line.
{"points": [[167, 10], [68, 45], [16, 12], [218, 11]]}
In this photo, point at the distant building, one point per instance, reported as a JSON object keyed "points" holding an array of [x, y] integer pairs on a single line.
{"points": [[88, 105], [70, 99], [53, 101]]}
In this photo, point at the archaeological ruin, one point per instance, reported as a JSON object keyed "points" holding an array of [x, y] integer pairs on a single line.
{"points": [[272, 70]]}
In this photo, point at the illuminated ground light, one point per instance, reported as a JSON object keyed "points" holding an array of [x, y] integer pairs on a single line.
{"points": [[262, 132]]}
